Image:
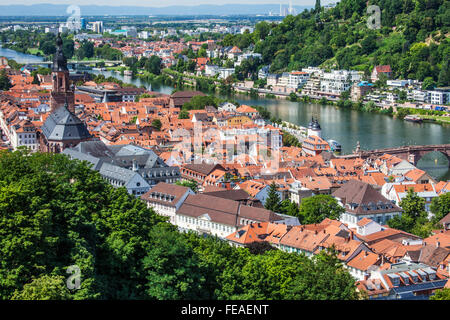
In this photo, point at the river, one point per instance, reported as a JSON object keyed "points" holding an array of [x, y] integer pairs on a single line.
{"points": [[373, 131]]}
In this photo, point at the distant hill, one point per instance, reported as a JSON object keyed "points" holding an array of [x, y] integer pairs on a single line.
{"points": [[94, 10]]}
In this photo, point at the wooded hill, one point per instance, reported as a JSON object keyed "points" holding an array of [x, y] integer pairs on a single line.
{"points": [[413, 39]]}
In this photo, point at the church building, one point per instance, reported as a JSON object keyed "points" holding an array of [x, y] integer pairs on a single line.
{"points": [[62, 128]]}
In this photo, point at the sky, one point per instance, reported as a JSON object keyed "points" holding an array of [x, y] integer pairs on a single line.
{"points": [[160, 3]]}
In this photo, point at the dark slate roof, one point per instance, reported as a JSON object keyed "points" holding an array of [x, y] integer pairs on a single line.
{"points": [[63, 125], [115, 172], [361, 198], [96, 162], [122, 155], [116, 162]]}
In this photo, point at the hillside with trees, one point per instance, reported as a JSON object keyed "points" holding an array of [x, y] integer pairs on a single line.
{"points": [[413, 39]]}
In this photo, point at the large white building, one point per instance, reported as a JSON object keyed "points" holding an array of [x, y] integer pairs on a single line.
{"points": [[24, 134], [166, 199], [440, 96], [220, 217], [297, 79], [211, 70], [97, 26], [338, 81], [225, 72]]}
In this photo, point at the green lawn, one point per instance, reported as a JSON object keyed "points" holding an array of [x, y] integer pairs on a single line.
{"points": [[35, 51], [437, 118]]}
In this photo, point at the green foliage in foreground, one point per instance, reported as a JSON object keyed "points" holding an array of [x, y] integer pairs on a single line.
{"points": [[442, 294], [56, 213]]}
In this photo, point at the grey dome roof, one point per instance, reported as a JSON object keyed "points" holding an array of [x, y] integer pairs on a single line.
{"points": [[316, 125], [62, 125]]}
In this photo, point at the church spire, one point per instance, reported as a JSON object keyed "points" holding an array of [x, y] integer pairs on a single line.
{"points": [[61, 90], [59, 60]]}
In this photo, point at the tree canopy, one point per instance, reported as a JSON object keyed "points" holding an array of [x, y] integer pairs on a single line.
{"points": [[414, 218], [315, 209]]}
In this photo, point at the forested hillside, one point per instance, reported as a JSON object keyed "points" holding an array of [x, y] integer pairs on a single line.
{"points": [[56, 213], [413, 39]]}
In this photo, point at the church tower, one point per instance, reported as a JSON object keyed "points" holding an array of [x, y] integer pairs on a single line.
{"points": [[62, 92], [62, 129]]}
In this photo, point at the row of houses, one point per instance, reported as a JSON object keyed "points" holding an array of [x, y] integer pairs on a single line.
{"points": [[213, 213], [386, 263]]}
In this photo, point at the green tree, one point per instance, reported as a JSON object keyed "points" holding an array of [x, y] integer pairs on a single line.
{"points": [[153, 65], [47, 47], [290, 208], [444, 74], [293, 97], [317, 7], [273, 201], [323, 278], [190, 184], [183, 114], [414, 217], [157, 124], [45, 287], [269, 275], [68, 48], [428, 84], [440, 207], [315, 209], [5, 83], [259, 247], [58, 212], [35, 79], [262, 30], [172, 267]]}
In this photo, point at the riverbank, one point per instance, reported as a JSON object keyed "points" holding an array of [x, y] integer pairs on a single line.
{"points": [[212, 86]]}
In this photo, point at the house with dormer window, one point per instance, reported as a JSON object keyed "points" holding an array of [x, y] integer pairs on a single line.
{"points": [[361, 200]]}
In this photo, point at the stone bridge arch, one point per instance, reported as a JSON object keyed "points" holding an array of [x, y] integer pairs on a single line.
{"points": [[415, 157]]}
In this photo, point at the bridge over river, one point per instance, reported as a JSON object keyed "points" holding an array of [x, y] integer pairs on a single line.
{"points": [[409, 153], [76, 62]]}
